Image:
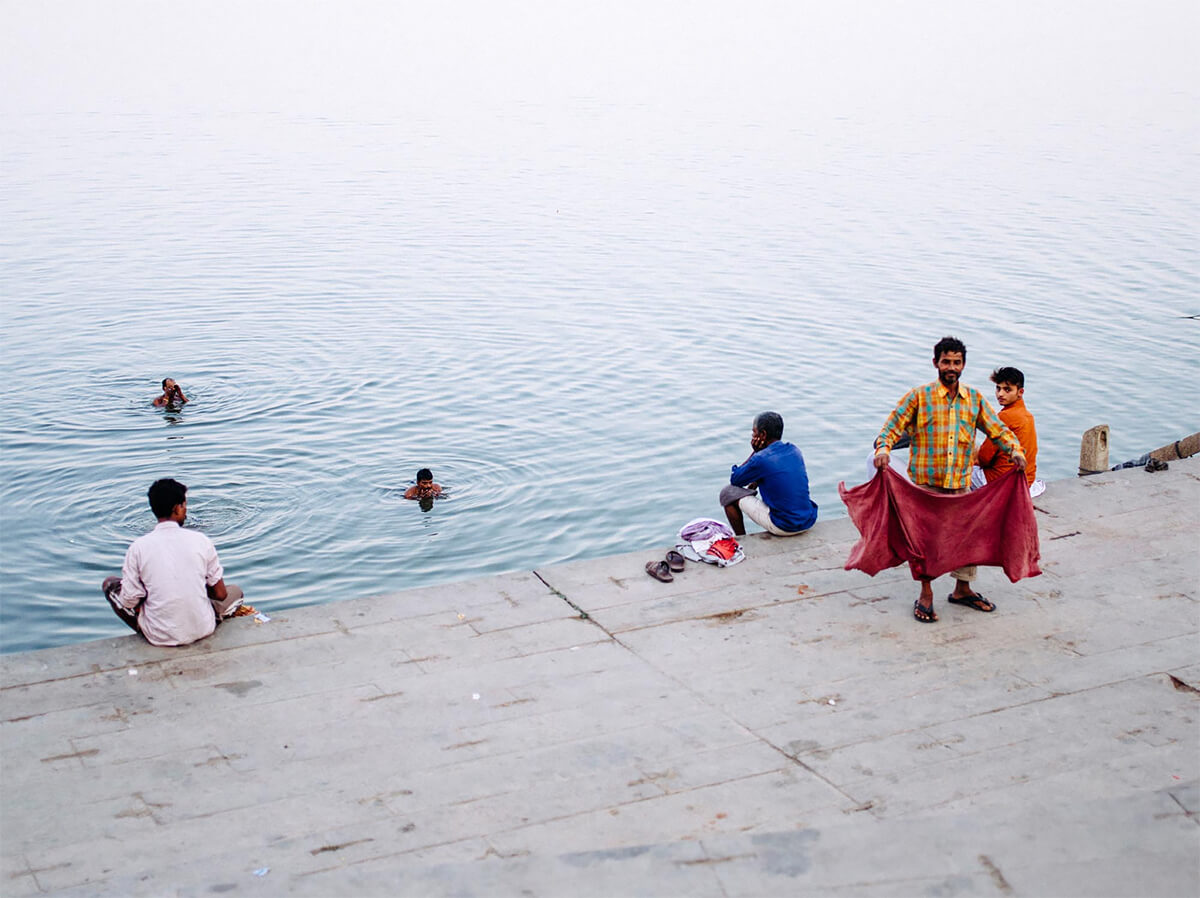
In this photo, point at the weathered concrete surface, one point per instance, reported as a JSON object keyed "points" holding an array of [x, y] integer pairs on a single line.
{"points": [[781, 727]]}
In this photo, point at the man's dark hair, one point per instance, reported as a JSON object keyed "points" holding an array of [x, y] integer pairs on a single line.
{"points": [[1009, 376], [949, 344], [165, 379], [770, 425], [424, 474], [164, 495]]}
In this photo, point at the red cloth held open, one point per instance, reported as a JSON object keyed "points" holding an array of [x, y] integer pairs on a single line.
{"points": [[936, 533]]}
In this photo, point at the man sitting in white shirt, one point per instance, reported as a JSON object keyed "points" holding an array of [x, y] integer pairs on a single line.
{"points": [[171, 588]]}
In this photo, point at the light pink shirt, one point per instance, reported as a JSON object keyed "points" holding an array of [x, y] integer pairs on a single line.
{"points": [[170, 567]]}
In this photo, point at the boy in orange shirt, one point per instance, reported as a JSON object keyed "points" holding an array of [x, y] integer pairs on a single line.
{"points": [[1010, 394]]}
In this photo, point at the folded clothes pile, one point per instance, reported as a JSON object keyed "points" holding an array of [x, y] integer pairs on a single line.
{"points": [[710, 541]]}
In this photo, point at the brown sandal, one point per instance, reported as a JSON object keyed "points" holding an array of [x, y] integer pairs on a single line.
{"points": [[659, 570], [675, 560]]}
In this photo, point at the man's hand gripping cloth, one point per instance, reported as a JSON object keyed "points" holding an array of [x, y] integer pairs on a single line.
{"points": [[936, 533]]}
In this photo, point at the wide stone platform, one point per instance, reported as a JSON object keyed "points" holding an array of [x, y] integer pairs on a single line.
{"points": [[781, 727]]}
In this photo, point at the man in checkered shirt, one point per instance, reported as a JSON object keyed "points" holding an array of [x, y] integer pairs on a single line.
{"points": [[941, 417]]}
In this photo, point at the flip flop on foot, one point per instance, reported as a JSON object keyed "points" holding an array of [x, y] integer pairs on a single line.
{"points": [[974, 600], [659, 570], [923, 614], [675, 561]]}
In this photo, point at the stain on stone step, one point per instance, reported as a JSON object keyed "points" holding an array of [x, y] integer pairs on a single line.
{"points": [[726, 617], [239, 687], [1182, 686]]}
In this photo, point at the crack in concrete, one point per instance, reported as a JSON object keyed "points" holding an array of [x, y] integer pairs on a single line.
{"points": [[583, 615], [515, 701], [26, 717], [375, 698], [338, 847], [703, 699], [766, 606], [997, 876], [1191, 815], [492, 852], [464, 744], [705, 861], [86, 753], [32, 871]]}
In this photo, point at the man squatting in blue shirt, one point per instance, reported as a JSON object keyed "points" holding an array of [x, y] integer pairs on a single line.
{"points": [[781, 505]]}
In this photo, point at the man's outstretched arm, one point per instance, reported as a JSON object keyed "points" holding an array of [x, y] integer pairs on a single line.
{"points": [[895, 426]]}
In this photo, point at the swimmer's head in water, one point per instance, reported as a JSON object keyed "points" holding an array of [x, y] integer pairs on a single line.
{"points": [[425, 475], [164, 495]]}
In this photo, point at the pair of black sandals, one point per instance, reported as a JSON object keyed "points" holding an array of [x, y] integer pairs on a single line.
{"points": [[662, 570]]}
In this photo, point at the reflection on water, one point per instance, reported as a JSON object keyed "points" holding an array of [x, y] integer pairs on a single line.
{"points": [[576, 332]]}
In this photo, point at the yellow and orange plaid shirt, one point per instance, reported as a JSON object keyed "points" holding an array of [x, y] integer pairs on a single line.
{"points": [[943, 428]]}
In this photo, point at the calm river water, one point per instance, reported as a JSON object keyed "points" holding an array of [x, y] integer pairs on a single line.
{"points": [[569, 307]]}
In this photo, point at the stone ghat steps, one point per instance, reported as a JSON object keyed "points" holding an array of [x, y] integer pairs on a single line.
{"points": [[990, 850], [779, 727]]}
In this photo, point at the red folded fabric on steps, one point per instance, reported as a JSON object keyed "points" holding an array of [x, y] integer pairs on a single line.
{"points": [[724, 548], [936, 533]]}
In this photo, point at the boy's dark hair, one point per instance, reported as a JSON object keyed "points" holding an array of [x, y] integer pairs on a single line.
{"points": [[949, 344], [164, 495], [1009, 376], [770, 425], [165, 379], [424, 474]]}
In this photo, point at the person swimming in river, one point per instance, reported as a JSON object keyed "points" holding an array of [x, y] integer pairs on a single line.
{"points": [[424, 488], [171, 394]]}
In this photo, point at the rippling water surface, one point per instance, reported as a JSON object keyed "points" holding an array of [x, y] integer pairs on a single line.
{"points": [[570, 312]]}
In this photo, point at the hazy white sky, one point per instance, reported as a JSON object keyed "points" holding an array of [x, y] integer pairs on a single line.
{"points": [[1095, 58]]}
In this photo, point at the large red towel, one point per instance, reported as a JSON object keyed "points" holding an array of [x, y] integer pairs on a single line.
{"points": [[936, 533]]}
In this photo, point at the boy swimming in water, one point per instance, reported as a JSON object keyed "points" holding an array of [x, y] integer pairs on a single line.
{"points": [[170, 394], [424, 488]]}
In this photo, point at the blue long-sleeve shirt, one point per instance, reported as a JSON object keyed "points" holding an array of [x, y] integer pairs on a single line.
{"points": [[782, 485]]}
